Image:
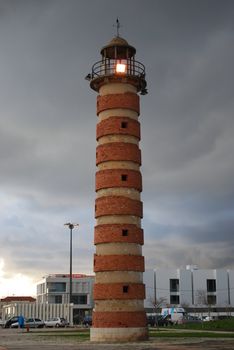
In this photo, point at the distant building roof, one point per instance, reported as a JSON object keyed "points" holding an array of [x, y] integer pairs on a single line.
{"points": [[74, 275], [17, 298]]}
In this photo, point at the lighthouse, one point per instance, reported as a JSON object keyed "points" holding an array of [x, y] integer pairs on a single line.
{"points": [[119, 292]]}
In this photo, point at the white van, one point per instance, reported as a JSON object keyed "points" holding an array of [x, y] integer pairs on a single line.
{"points": [[176, 313]]}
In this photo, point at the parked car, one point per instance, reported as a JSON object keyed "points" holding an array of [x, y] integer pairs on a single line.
{"points": [[159, 320], [87, 321], [56, 322], [11, 320], [209, 318], [66, 323], [31, 323], [191, 319]]}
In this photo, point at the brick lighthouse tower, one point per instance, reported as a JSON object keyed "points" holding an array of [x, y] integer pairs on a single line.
{"points": [[119, 291]]}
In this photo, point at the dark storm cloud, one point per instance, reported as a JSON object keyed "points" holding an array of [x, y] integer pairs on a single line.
{"points": [[47, 129]]}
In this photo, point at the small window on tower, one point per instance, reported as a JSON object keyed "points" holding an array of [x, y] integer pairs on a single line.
{"points": [[124, 177], [124, 232], [125, 289], [124, 125]]}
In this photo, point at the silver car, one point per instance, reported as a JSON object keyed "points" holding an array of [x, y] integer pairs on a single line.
{"points": [[56, 322], [30, 323]]}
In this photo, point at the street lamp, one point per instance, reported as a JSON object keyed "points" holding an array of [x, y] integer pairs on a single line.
{"points": [[70, 226]]}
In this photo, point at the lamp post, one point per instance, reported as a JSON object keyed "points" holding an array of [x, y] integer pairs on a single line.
{"points": [[71, 227]]}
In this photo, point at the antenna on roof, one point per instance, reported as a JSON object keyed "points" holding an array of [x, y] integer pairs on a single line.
{"points": [[117, 25]]}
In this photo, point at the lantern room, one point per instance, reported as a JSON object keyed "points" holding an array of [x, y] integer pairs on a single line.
{"points": [[118, 62]]}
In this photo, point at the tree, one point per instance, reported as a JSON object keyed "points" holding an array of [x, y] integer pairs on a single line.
{"points": [[201, 297], [157, 304], [204, 299], [185, 306]]}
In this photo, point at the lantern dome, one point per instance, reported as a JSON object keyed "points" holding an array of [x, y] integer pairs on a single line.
{"points": [[118, 48]]}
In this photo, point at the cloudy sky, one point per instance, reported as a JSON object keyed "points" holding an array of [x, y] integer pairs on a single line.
{"points": [[47, 132]]}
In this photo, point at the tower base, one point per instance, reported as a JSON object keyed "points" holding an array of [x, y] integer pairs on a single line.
{"points": [[118, 334]]}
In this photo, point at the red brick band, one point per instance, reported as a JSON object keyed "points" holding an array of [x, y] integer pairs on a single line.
{"points": [[118, 178], [119, 319], [119, 263], [126, 233], [118, 205], [126, 100], [120, 291], [118, 151], [118, 125]]}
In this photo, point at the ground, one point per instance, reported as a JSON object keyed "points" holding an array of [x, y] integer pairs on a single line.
{"points": [[14, 339]]}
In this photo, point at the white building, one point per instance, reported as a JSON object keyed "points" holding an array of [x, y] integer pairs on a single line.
{"points": [[196, 289], [55, 289], [38, 310]]}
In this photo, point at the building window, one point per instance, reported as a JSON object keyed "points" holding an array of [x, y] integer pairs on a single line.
{"points": [[41, 288], [174, 285], [56, 287], [58, 299], [85, 287], [211, 286], [174, 299], [211, 299], [125, 289], [124, 177], [124, 125], [79, 299], [124, 232]]}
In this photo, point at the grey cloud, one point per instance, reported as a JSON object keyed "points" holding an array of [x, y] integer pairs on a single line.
{"points": [[179, 253], [48, 117]]}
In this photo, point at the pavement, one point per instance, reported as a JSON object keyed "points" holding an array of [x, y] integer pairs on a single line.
{"points": [[13, 339], [207, 345]]}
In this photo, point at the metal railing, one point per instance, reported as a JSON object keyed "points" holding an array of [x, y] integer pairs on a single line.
{"points": [[108, 68]]}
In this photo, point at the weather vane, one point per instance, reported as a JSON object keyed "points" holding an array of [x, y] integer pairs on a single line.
{"points": [[117, 25]]}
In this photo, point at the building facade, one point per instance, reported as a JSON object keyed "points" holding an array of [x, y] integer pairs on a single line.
{"points": [[55, 289], [199, 291], [38, 310], [195, 289], [13, 300]]}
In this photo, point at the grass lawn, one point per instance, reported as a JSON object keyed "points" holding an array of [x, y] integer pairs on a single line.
{"points": [[209, 330], [219, 325], [79, 334], [194, 334], [198, 330]]}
